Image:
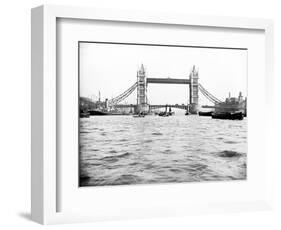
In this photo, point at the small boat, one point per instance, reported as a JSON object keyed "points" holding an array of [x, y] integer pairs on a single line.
{"points": [[97, 113], [206, 114], [139, 115], [84, 114], [104, 113], [228, 115], [187, 113], [163, 114]]}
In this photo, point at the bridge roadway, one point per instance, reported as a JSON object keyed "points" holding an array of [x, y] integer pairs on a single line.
{"points": [[185, 107], [168, 81], [153, 106]]}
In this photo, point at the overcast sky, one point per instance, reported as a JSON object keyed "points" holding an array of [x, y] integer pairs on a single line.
{"points": [[112, 68]]}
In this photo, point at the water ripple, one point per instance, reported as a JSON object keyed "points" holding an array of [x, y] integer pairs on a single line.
{"points": [[116, 150]]}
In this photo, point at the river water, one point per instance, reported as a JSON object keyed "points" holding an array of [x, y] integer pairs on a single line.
{"points": [[117, 150]]}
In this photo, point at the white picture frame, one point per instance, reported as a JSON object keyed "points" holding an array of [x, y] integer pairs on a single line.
{"points": [[45, 167]]}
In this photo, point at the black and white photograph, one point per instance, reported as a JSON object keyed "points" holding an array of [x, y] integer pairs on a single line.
{"points": [[158, 113]]}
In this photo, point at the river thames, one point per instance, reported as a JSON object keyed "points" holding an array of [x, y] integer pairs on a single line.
{"points": [[121, 150]]}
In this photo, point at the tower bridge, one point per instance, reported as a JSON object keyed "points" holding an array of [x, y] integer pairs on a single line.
{"points": [[141, 85], [143, 81]]}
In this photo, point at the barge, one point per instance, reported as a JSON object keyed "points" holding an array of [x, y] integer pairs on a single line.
{"points": [[206, 114], [228, 116], [233, 108]]}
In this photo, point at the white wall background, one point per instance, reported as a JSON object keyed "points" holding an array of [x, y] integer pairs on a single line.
{"points": [[15, 112]]}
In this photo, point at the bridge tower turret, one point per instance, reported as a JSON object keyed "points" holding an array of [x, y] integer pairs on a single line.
{"points": [[142, 105], [193, 91]]}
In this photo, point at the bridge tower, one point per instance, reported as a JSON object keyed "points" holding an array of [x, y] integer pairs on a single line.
{"points": [[142, 105], [193, 91]]}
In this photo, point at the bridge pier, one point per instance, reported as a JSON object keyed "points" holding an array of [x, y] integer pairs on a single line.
{"points": [[193, 91], [142, 105]]}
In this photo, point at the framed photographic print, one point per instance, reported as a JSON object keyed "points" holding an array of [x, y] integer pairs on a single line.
{"points": [[145, 114]]}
